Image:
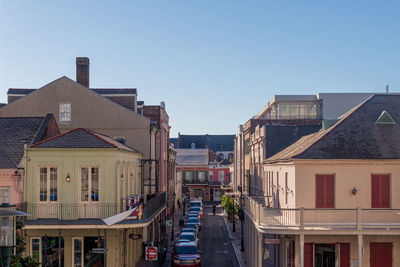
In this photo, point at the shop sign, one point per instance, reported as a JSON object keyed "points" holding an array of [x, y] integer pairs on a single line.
{"points": [[135, 236], [169, 222], [272, 241], [151, 254], [98, 250]]}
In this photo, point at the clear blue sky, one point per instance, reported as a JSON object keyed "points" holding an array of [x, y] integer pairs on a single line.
{"points": [[214, 63]]}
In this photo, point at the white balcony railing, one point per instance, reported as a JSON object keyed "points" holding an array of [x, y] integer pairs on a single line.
{"points": [[321, 219]]}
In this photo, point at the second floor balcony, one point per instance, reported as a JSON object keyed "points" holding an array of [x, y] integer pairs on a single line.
{"points": [[90, 210], [322, 219]]}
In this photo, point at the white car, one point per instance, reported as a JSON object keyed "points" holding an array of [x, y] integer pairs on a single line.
{"points": [[188, 237]]}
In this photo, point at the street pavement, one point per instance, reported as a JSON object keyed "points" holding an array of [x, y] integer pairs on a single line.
{"points": [[215, 244]]}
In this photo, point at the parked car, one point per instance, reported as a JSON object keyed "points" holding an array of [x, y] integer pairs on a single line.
{"points": [[196, 221], [194, 214], [192, 226], [186, 254], [188, 237], [197, 209]]}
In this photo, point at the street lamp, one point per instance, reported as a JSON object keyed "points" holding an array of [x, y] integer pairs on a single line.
{"points": [[233, 214], [173, 211], [7, 231]]}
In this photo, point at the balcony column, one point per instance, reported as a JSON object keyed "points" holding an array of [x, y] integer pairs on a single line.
{"points": [[360, 249], [301, 250], [260, 249]]}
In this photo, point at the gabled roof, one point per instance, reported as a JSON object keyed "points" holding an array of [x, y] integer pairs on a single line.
{"points": [[17, 131], [213, 142], [81, 138], [192, 157], [355, 136], [102, 91]]}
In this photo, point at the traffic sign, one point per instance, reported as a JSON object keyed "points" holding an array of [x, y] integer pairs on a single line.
{"points": [[151, 253], [272, 241], [98, 250]]}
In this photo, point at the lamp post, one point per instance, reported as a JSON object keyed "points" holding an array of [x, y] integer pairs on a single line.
{"points": [[173, 211], [7, 231], [241, 217], [233, 214]]}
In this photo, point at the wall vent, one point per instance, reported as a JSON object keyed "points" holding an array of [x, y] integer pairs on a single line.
{"points": [[385, 118]]}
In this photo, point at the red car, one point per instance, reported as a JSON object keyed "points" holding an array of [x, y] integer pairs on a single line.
{"points": [[186, 255]]}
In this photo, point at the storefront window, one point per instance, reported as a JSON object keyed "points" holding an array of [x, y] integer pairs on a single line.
{"points": [[93, 259], [51, 251], [35, 247], [77, 252]]}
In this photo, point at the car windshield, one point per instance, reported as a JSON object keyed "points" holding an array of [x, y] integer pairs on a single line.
{"points": [[194, 209], [190, 230], [186, 250], [187, 237], [195, 204], [190, 225]]}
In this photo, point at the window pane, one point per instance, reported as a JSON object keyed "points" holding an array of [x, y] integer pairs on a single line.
{"points": [[35, 247], [4, 195], [84, 184], [77, 252], [43, 184], [221, 176], [53, 184], [65, 112], [95, 184]]}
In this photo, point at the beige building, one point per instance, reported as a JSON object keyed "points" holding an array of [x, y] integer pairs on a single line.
{"points": [[330, 198], [83, 191]]}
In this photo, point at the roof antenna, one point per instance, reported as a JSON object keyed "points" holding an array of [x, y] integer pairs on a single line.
{"points": [[387, 89]]}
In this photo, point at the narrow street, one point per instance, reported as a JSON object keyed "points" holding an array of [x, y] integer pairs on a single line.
{"points": [[215, 244]]}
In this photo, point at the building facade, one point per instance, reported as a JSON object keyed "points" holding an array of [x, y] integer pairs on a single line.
{"points": [[329, 199], [76, 183]]}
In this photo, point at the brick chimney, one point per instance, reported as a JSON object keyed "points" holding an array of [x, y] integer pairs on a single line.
{"points": [[82, 71]]}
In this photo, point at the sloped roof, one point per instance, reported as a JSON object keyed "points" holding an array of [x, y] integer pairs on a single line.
{"points": [[279, 137], [102, 91], [190, 157], [355, 136], [213, 142], [17, 131], [81, 138]]}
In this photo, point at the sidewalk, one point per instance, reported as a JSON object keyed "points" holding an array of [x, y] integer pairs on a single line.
{"points": [[235, 239], [177, 215]]}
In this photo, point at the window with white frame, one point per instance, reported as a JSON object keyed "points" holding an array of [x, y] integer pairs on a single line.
{"points": [[36, 248], [90, 184], [64, 112], [77, 251], [221, 175], [48, 184], [4, 195]]}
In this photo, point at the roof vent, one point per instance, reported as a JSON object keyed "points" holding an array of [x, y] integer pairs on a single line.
{"points": [[385, 118]]}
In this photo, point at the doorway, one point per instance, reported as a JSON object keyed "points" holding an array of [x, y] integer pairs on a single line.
{"points": [[324, 255]]}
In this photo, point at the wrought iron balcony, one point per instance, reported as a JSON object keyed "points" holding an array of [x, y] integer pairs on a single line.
{"points": [[90, 210], [195, 181]]}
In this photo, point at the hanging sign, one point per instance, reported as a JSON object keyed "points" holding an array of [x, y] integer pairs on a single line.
{"points": [[135, 236]]}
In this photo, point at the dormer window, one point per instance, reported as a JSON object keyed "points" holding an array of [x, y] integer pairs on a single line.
{"points": [[385, 118], [65, 113]]}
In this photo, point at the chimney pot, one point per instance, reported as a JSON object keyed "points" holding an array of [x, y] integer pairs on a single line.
{"points": [[82, 71]]}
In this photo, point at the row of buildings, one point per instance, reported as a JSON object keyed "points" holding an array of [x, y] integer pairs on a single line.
{"points": [[203, 165], [317, 177], [93, 166]]}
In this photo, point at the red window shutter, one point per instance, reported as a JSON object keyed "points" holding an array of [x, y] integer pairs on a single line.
{"points": [[325, 191], [308, 255], [330, 191], [344, 255], [381, 254], [380, 191], [375, 191], [385, 203], [319, 191]]}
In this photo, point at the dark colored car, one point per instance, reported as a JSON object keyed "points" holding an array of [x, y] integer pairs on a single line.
{"points": [[186, 255]]}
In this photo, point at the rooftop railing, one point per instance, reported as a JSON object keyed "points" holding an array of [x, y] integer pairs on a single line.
{"points": [[321, 219]]}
